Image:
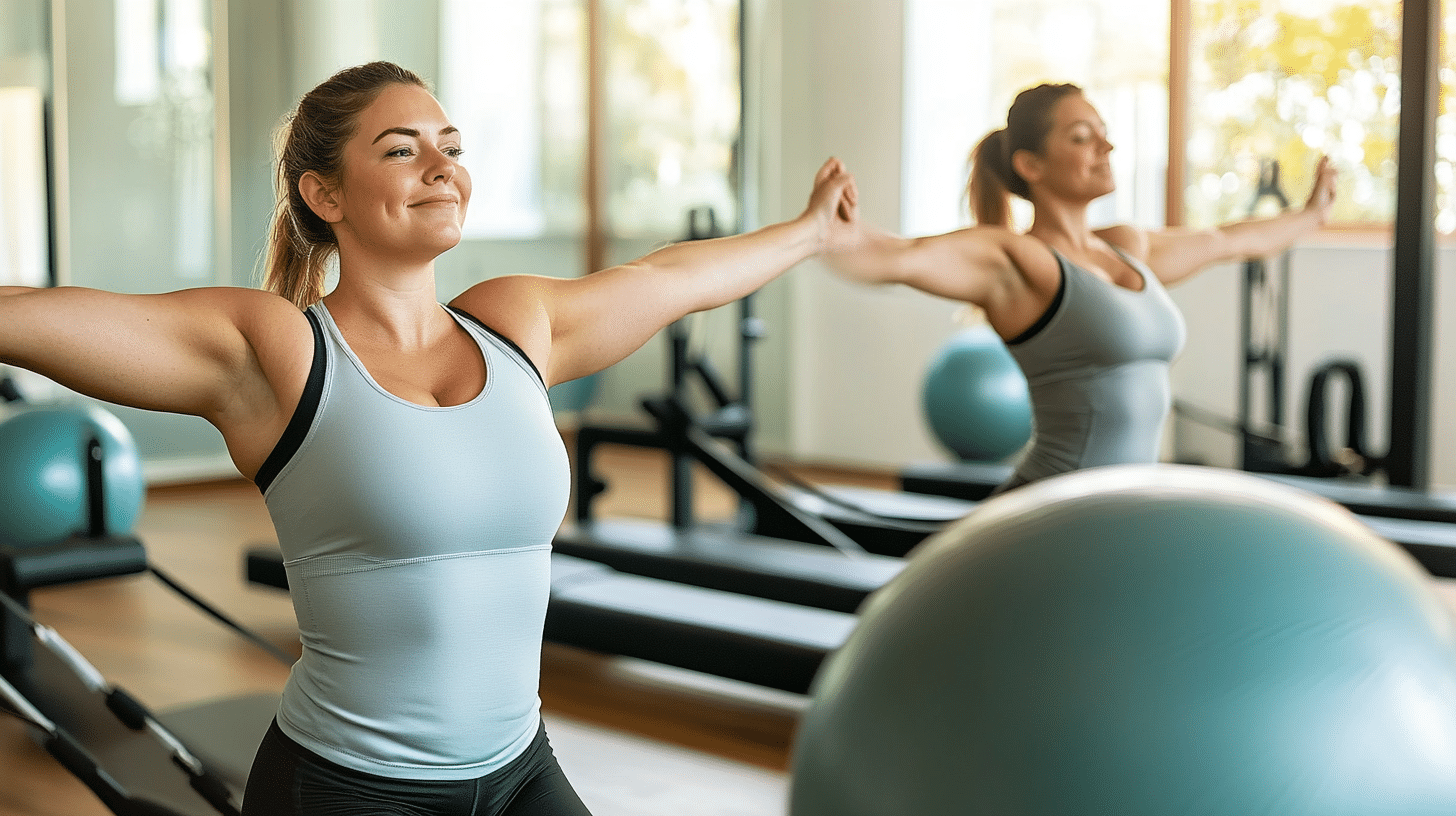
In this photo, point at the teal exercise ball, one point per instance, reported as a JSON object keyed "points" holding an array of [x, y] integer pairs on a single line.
{"points": [[975, 397], [573, 395], [43, 467], [1141, 640]]}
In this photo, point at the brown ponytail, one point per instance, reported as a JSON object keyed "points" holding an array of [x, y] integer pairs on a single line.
{"points": [[312, 138], [987, 189], [993, 177]]}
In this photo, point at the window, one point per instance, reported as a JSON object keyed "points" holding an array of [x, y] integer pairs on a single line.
{"points": [[671, 112], [513, 77], [1287, 81], [140, 146], [1276, 80], [24, 229], [957, 90]]}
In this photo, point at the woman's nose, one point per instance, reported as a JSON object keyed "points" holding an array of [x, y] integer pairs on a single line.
{"points": [[441, 169]]}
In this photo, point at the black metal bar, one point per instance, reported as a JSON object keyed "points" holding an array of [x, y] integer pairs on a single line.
{"points": [[750, 329], [680, 485], [1264, 355], [95, 457], [1413, 279], [588, 484], [48, 132], [742, 477], [17, 656]]}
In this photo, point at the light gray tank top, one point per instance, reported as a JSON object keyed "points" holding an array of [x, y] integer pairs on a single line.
{"points": [[1098, 374], [417, 543]]}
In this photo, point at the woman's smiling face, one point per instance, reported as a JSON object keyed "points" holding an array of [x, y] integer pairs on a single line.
{"points": [[403, 189]]}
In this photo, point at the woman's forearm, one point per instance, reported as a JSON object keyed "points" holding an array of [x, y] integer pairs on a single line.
{"points": [[1265, 236], [717, 271]]}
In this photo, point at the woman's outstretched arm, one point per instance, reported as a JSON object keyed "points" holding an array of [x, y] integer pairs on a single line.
{"points": [[1010, 277], [573, 327], [1175, 255], [224, 354]]}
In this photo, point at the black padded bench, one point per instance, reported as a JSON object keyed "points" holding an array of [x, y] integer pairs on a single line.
{"points": [[972, 481], [1378, 500], [718, 557], [768, 643]]}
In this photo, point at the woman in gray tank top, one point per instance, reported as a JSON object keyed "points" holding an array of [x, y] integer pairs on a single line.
{"points": [[406, 449], [1082, 310]]}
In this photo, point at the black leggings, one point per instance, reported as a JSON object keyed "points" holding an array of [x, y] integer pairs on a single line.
{"points": [[290, 780]]}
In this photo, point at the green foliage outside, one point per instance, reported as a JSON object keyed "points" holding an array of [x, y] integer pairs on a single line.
{"points": [[1289, 81]]}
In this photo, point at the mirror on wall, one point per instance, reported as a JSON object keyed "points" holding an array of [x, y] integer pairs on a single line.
{"points": [[139, 147], [24, 207]]}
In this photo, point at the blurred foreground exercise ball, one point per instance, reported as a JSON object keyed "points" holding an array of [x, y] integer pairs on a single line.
{"points": [[45, 460], [1142, 640]]}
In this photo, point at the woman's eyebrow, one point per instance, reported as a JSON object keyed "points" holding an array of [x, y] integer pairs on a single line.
{"points": [[404, 131]]}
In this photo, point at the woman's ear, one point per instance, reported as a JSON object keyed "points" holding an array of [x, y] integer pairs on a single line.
{"points": [[321, 197], [1027, 165]]}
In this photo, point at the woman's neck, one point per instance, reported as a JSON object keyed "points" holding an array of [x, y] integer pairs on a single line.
{"points": [[1062, 225], [399, 307]]}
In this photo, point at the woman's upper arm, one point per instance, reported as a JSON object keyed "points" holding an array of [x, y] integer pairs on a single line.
{"points": [[184, 352], [968, 265], [572, 327]]}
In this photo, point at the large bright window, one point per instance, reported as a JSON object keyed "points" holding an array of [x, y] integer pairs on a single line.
{"points": [[965, 63], [673, 113], [1287, 81], [515, 79], [24, 228], [1267, 81]]}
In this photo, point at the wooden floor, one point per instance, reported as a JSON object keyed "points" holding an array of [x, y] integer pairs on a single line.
{"points": [[634, 738]]}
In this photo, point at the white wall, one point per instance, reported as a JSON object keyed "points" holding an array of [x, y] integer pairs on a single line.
{"points": [[854, 356]]}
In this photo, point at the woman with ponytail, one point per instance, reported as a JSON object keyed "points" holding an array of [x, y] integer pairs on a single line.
{"points": [[405, 448], [1083, 310]]}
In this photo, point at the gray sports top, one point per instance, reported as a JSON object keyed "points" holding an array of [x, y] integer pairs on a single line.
{"points": [[1098, 373], [417, 543]]}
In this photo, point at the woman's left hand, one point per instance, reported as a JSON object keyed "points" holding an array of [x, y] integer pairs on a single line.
{"points": [[1322, 195], [834, 206]]}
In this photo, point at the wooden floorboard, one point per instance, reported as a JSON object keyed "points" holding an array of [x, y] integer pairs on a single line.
{"points": [[635, 738]]}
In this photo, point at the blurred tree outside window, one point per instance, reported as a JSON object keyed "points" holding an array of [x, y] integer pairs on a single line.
{"points": [[1287, 81], [671, 108], [1268, 80], [673, 113]]}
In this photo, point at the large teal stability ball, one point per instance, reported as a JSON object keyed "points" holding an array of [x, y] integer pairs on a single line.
{"points": [[43, 474], [1141, 641], [975, 397]]}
